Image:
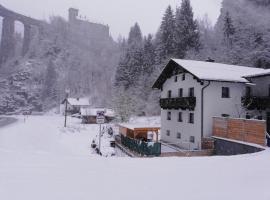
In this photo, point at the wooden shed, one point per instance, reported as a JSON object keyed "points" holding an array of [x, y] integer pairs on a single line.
{"points": [[140, 131]]}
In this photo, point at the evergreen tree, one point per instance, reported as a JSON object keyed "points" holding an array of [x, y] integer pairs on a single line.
{"points": [[228, 29], [166, 35], [187, 34], [148, 55], [131, 62], [50, 85]]}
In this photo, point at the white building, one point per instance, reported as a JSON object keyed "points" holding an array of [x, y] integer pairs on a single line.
{"points": [[74, 105], [193, 92]]}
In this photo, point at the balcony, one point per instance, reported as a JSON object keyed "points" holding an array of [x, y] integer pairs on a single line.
{"points": [[256, 103], [183, 103]]}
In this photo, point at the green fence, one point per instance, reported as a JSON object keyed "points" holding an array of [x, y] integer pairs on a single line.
{"points": [[140, 147]]}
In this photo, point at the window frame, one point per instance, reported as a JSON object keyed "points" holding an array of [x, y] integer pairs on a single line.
{"points": [[169, 94], [183, 76], [191, 119], [269, 90], [180, 117], [180, 92], [168, 133], [225, 93], [192, 139], [248, 91], [191, 92], [169, 116]]}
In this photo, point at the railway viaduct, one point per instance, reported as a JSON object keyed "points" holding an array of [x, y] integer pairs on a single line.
{"points": [[7, 46]]}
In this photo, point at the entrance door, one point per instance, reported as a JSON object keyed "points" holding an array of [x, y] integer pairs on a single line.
{"points": [[268, 128]]}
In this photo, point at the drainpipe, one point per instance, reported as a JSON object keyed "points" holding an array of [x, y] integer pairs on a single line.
{"points": [[202, 107]]}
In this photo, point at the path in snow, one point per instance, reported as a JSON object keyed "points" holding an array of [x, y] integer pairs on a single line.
{"points": [[41, 160], [4, 121]]}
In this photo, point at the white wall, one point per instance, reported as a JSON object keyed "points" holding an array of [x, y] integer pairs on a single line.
{"points": [[186, 129], [214, 105]]}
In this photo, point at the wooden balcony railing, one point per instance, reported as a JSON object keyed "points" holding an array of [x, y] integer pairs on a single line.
{"points": [[256, 103], [183, 103]]}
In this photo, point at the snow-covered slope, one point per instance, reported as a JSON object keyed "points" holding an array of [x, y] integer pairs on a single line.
{"points": [[41, 160]]}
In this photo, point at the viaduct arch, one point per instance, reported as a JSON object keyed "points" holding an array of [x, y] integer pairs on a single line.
{"points": [[7, 46]]}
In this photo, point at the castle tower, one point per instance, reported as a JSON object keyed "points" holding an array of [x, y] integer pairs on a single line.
{"points": [[73, 14]]}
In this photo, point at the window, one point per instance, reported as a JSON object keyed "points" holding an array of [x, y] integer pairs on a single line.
{"points": [[161, 88], [169, 116], [269, 90], [180, 92], [191, 92], [248, 91], [178, 136], [168, 133], [175, 79], [183, 77], [180, 117], [225, 92], [192, 139], [169, 94], [191, 118]]}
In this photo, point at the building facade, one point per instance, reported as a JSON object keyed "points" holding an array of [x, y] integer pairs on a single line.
{"points": [[194, 92]]}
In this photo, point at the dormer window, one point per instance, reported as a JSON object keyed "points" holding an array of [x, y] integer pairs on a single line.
{"points": [[183, 77]]}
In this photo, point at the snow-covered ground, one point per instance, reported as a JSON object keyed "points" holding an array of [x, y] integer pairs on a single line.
{"points": [[40, 160]]}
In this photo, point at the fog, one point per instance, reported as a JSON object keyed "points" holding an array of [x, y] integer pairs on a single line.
{"points": [[120, 15]]}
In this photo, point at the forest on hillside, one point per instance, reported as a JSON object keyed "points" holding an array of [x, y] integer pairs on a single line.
{"points": [[59, 59], [120, 74], [241, 36]]}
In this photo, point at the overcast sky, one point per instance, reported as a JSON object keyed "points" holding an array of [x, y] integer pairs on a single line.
{"points": [[120, 15]]}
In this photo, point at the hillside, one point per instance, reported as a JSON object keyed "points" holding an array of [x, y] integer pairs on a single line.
{"points": [[60, 58]]}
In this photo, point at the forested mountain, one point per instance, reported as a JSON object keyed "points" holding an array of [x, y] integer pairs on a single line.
{"points": [[59, 58], [243, 33], [241, 36]]}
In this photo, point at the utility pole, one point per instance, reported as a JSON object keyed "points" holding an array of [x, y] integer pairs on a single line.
{"points": [[66, 104], [99, 142]]}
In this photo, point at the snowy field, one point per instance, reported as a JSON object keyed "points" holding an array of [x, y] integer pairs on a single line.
{"points": [[40, 160]]}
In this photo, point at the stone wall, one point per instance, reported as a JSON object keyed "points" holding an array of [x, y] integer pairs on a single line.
{"points": [[226, 147], [251, 131]]}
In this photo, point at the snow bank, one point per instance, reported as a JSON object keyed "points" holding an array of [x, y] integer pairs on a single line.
{"points": [[41, 160]]}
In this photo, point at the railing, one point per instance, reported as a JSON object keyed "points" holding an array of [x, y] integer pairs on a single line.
{"points": [[254, 102], [142, 148], [178, 103]]}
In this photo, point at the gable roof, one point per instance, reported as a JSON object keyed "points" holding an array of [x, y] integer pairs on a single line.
{"points": [[266, 72], [93, 112], [78, 101], [206, 71]]}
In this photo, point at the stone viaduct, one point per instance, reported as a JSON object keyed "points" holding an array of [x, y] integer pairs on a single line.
{"points": [[7, 47]]}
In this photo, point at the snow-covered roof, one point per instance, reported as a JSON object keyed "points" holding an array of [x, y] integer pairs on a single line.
{"points": [[93, 112], [266, 72], [207, 71], [217, 71], [133, 126], [78, 101]]}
